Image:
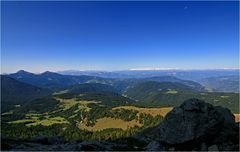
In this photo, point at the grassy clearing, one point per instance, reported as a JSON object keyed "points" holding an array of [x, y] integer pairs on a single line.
{"points": [[33, 115], [21, 121], [73, 115], [224, 96], [33, 119], [29, 118], [68, 103], [48, 121], [7, 113], [87, 102], [171, 92], [151, 111], [60, 92], [237, 117], [84, 105], [106, 122]]}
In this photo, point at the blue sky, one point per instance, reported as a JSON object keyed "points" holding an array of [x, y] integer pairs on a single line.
{"points": [[39, 36]]}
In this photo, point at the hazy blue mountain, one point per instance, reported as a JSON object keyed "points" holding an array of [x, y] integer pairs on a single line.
{"points": [[193, 85], [222, 83], [55, 81], [104, 74], [196, 75], [125, 83], [50, 80], [182, 74]]}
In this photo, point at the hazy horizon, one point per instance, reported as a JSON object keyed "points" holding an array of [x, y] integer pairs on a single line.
{"points": [[135, 69]]}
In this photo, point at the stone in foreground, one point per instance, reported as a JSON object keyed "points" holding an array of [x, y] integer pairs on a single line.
{"points": [[196, 123]]}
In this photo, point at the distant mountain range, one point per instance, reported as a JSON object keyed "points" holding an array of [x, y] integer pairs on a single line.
{"points": [[22, 86], [55, 81], [50, 80], [122, 79], [222, 83], [182, 74], [220, 80]]}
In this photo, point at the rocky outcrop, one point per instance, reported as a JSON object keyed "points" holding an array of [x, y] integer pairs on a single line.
{"points": [[197, 125]]}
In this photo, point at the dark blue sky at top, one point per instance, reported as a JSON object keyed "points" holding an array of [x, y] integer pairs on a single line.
{"points": [[40, 36]]}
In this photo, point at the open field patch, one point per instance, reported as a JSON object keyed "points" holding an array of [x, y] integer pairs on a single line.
{"points": [[60, 92], [7, 113], [224, 96], [34, 120], [49, 121], [107, 122], [21, 121], [151, 111], [68, 103], [237, 117], [171, 92]]}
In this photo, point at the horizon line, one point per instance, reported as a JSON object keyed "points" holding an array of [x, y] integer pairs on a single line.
{"points": [[131, 69]]}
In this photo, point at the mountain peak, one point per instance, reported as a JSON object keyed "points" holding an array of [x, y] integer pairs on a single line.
{"points": [[46, 72], [23, 72], [49, 73]]}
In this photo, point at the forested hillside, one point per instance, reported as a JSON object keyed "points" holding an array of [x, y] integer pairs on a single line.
{"points": [[173, 94], [15, 93], [83, 117]]}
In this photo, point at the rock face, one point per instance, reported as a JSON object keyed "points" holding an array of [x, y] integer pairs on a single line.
{"points": [[196, 125]]}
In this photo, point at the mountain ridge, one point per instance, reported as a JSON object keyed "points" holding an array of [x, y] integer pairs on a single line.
{"points": [[55, 81]]}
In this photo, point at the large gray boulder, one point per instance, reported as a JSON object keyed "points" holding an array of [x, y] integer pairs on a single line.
{"points": [[196, 122]]}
